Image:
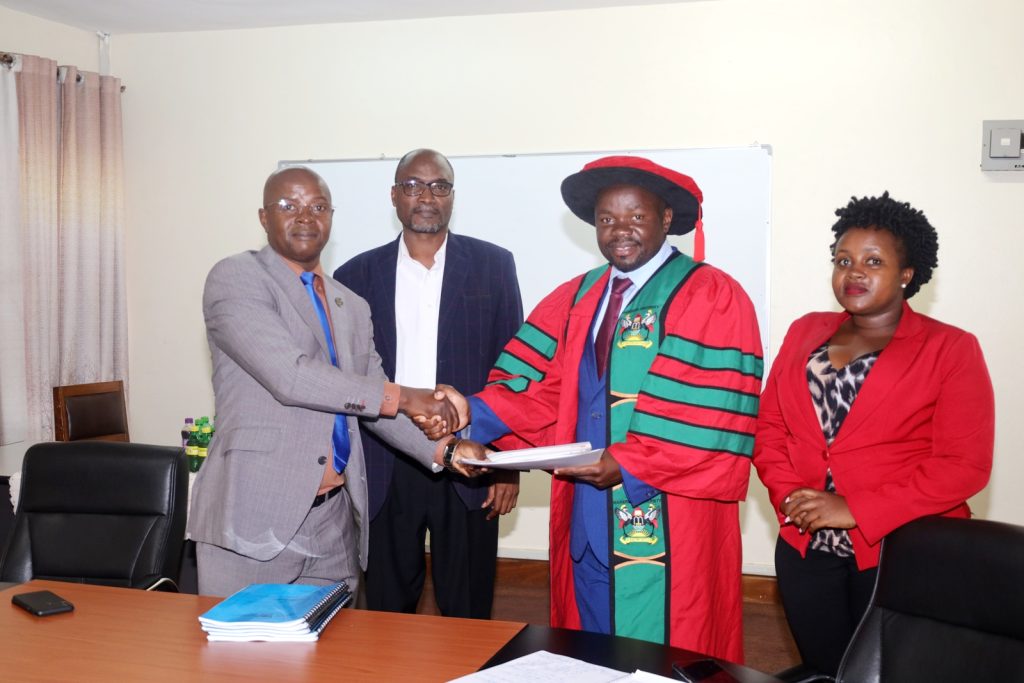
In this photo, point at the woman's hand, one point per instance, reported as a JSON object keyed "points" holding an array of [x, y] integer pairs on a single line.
{"points": [[810, 510]]}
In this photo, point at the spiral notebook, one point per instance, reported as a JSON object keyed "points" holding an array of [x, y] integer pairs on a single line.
{"points": [[275, 612]]}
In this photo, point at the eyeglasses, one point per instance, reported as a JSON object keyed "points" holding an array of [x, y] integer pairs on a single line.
{"points": [[290, 208], [414, 188]]}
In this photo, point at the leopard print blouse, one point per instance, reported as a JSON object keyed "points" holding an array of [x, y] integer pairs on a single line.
{"points": [[833, 392]]}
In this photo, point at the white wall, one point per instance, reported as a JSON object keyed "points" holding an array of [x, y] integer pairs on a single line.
{"points": [[854, 96], [26, 34]]}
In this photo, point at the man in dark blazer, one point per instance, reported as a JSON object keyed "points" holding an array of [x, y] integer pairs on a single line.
{"points": [[443, 307], [282, 497]]}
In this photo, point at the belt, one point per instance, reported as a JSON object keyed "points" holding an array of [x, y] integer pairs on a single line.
{"points": [[324, 497]]}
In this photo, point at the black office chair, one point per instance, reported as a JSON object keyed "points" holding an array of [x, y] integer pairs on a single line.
{"points": [[99, 512], [948, 606]]}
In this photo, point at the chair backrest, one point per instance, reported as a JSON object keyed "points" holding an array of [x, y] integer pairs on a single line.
{"points": [[948, 606], [98, 512], [90, 411]]}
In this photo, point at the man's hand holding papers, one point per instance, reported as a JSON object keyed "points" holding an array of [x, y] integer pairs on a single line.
{"points": [[602, 474]]}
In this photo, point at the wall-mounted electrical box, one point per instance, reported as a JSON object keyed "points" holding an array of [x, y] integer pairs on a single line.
{"points": [[1001, 143]]}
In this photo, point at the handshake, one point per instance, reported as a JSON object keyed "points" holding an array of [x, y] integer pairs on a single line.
{"points": [[439, 412]]}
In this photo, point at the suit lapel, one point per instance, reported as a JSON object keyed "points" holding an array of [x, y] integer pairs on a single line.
{"points": [[383, 299], [342, 322], [886, 374], [456, 270], [294, 291], [581, 325], [796, 392]]}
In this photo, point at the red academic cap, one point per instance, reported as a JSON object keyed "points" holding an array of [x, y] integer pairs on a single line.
{"points": [[678, 191]]}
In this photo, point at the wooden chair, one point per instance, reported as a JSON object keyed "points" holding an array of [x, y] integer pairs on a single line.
{"points": [[90, 412]]}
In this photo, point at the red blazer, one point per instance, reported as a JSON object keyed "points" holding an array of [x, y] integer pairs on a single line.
{"points": [[918, 439]]}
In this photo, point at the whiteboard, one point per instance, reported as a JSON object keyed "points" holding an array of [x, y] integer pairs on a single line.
{"points": [[515, 202]]}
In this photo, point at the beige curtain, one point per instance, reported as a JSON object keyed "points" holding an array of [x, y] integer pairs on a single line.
{"points": [[13, 415], [72, 231], [92, 330]]}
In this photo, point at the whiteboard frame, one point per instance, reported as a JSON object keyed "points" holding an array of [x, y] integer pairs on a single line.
{"points": [[513, 200]]}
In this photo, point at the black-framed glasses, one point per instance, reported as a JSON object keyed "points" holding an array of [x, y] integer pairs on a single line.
{"points": [[291, 208], [414, 188]]}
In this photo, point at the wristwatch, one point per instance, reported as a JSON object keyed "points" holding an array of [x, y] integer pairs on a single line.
{"points": [[449, 454]]}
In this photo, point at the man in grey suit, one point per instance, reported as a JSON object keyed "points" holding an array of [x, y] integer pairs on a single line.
{"points": [[282, 497]]}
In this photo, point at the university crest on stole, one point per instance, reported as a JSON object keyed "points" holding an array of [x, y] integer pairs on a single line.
{"points": [[635, 329], [638, 525]]}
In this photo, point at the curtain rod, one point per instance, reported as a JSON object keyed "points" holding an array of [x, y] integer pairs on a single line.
{"points": [[7, 60]]}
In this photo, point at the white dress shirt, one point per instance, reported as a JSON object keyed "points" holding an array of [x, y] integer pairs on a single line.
{"points": [[417, 305]]}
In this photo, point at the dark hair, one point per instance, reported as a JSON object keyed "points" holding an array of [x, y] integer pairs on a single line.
{"points": [[915, 236]]}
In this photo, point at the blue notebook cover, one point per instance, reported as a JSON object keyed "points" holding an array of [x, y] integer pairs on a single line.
{"points": [[273, 633], [282, 605]]}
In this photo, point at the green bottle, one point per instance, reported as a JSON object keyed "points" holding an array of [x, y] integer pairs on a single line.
{"points": [[205, 434], [192, 450]]}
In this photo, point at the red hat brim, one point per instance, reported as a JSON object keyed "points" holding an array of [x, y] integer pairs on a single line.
{"points": [[678, 191]]}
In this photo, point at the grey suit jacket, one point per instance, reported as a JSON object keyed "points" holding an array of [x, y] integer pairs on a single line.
{"points": [[276, 394]]}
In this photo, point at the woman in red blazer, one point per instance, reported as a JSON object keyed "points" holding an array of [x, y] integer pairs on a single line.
{"points": [[871, 418]]}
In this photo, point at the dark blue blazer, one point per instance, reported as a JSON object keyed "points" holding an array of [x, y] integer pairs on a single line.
{"points": [[481, 310]]}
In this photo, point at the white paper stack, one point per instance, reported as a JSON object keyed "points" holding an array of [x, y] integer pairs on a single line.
{"points": [[543, 458]]}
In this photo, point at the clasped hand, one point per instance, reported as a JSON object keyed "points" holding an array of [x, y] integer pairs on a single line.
{"points": [[437, 412], [810, 509]]}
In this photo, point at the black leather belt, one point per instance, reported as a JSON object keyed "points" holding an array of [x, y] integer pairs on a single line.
{"points": [[324, 497]]}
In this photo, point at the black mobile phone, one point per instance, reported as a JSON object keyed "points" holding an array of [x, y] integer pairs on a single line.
{"points": [[702, 671], [42, 603]]}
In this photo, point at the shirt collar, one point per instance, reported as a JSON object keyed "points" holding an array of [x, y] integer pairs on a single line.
{"points": [[439, 255], [641, 275], [299, 270]]}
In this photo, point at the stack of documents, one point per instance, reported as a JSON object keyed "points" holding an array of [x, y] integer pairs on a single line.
{"points": [[275, 612], [544, 458], [544, 667]]}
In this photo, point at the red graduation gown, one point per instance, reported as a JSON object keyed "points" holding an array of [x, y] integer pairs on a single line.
{"points": [[702, 484]]}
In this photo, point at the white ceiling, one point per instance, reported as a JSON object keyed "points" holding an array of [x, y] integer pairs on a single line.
{"points": [[149, 16]]}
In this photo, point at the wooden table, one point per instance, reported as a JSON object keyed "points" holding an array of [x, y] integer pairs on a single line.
{"points": [[120, 635]]}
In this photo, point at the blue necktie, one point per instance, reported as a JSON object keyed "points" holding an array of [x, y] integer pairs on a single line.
{"points": [[340, 437]]}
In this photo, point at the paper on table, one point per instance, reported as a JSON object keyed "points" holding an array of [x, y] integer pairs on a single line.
{"points": [[645, 677], [543, 458], [543, 667]]}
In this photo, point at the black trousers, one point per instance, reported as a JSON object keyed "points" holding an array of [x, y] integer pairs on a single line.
{"points": [[824, 597], [463, 547]]}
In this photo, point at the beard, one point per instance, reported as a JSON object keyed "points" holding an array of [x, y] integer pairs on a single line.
{"points": [[427, 229]]}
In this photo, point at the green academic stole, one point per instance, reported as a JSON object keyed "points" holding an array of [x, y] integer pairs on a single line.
{"points": [[639, 543]]}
